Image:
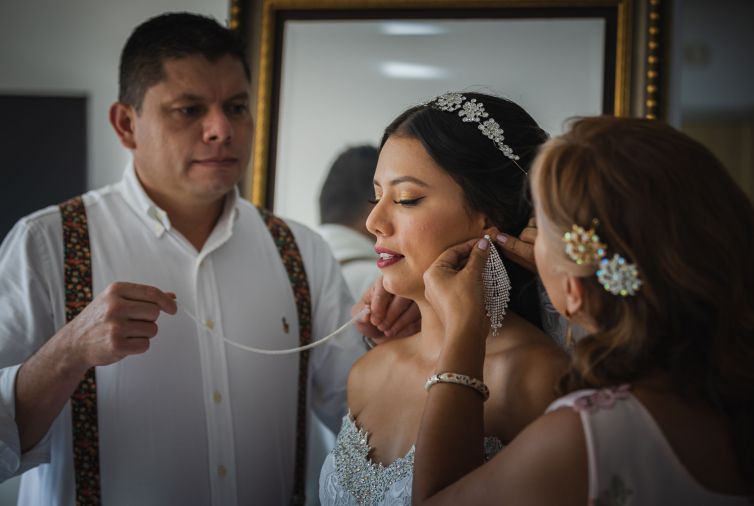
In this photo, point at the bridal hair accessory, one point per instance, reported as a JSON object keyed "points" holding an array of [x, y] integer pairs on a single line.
{"points": [[472, 111], [616, 275], [497, 288], [364, 311], [459, 379]]}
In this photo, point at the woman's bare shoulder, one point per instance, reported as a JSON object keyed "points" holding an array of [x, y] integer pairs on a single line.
{"points": [[372, 370], [522, 373], [523, 349]]}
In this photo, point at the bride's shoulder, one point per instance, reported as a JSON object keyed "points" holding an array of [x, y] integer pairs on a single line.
{"points": [[520, 340], [372, 370]]}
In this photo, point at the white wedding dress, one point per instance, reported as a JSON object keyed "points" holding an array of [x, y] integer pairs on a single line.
{"points": [[349, 477]]}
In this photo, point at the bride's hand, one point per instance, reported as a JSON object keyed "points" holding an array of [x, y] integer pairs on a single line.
{"points": [[453, 287]]}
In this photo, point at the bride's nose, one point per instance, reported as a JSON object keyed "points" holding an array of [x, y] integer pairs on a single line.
{"points": [[378, 221]]}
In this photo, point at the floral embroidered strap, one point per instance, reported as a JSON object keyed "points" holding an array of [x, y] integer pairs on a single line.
{"points": [[77, 269], [294, 265]]}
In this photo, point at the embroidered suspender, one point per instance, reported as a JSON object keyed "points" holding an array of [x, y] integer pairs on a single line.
{"points": [[77, 268], [294, 265]]}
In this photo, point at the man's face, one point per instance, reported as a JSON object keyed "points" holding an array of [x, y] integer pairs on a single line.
{"points": [[193, 135]]}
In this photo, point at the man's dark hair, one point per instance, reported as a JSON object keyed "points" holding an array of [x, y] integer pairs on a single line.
{"points": [[348, 187], [171, 36]]}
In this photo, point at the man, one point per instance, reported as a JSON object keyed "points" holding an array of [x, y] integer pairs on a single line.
{"points": [[343, 210], [181, 418]]}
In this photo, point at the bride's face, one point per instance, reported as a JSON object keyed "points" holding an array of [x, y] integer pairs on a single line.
{"points": [[420, 212]]}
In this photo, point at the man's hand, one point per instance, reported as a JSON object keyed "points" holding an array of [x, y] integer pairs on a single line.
{"points": [[521, 249], [389, 317], [117, 323]]}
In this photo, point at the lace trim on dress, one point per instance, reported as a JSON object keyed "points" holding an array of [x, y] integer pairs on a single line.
{"points": [[368, 481]]}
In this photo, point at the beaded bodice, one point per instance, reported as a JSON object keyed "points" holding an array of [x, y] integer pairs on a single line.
{"points": [[350, 477]]}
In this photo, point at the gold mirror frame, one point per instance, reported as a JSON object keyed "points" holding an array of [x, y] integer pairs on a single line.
{"points": [[273, 13]]}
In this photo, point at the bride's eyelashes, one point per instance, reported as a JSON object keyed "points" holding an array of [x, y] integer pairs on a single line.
{"points": [[403, 202], [408, 202]]}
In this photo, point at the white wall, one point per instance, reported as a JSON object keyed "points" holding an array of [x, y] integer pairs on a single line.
{"points": [[51, 47]]}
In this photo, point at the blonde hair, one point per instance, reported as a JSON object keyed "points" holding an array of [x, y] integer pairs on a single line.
{"points": [[665, 203]]}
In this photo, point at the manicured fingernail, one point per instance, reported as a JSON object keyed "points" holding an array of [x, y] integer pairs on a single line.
{"points": [[501, 238], [482, 244]]}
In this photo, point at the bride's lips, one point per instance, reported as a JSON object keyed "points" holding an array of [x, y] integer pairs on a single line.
{"points": [[387, 257]]}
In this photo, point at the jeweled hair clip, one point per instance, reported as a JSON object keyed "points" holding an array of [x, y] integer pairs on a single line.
{"points": [[616, 275], [472, 111]]}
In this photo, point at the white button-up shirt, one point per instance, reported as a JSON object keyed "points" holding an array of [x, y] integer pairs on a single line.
{"points": [[356, 255], [192, 421]]}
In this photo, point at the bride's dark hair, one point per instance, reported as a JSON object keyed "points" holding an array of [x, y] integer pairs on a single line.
{"points": [[491, 182]]}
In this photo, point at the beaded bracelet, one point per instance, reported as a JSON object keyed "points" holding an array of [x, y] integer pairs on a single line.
{"points": [[459, 379]]}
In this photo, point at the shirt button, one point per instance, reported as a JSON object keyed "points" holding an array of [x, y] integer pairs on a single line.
{"points": [[210, 324], [221, 471], [217, 397]]}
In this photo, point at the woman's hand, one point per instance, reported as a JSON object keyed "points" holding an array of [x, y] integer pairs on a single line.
{"points": [[521, 249], [453, 287]]}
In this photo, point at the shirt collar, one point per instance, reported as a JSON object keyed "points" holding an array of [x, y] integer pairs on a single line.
{"points": [[155, 217], [346, 243]]}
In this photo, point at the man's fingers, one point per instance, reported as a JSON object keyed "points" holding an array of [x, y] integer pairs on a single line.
{"points": [[406, 322], [396, 308], [145, 293], [133, 346], [137, 310], [136, 329], [532, 222], [381, 299]]}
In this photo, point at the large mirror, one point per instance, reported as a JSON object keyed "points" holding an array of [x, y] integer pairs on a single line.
{"points": [[334, 74]]}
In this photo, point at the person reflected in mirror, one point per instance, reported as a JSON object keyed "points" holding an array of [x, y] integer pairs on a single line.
{"points": [[343, 210]]}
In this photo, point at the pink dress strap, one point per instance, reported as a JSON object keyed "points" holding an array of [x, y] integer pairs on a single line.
{"points": [[630, 461]]}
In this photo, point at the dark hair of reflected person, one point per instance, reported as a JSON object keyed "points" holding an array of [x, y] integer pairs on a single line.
{"points": [[345, 194], [665, 203], [491, 182], [172, 35]]}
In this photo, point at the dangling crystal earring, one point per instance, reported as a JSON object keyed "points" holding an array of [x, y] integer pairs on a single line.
{"points": [[497, 287]]}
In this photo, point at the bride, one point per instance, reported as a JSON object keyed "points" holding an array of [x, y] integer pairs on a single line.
{"points": [[446, 173]]}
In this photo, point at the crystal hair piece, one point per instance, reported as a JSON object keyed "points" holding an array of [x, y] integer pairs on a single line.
{"points": [[616, 275], [472, 111]]}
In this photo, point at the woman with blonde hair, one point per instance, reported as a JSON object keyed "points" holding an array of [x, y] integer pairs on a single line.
{"points": [[645, 241]]}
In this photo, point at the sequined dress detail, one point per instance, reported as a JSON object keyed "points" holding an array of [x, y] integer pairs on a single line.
{"points": [[350, 477]]}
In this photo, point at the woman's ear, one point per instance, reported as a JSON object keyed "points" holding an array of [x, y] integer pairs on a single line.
{"points": [[574, 294], [487, 223], [122, 120]]}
